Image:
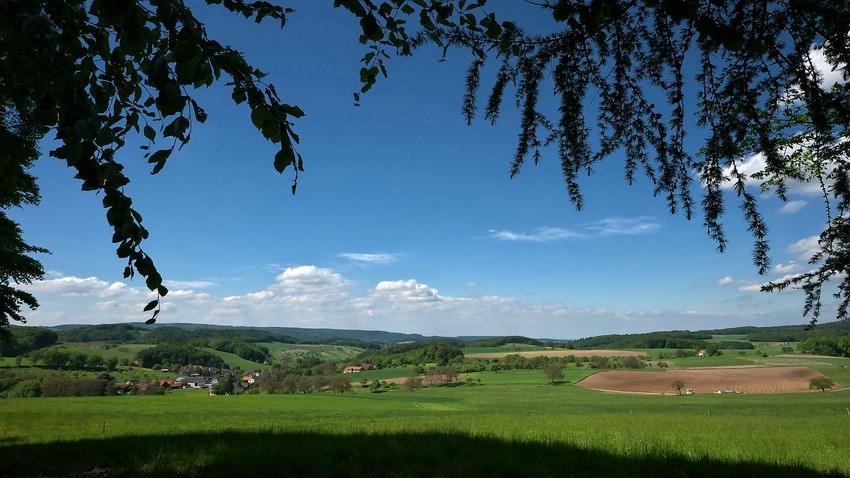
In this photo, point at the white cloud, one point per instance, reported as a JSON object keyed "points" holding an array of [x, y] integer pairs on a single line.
{"points": [[308, 279], [621, 225], [541, 234], [756, 163], [405, 290], [830, 74], [788, 268], [725, 280], [805, 247], [604, 227], [310, 296], [188, 284], [792, 206], [76, 286], [369, 258], [750, 288]]}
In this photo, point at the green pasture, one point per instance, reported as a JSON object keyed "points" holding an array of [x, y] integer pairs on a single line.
{"points": [[529, 425], [236, 362], [105, 350], [339, 353]]}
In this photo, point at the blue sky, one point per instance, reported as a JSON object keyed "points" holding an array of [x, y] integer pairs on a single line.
{"points": [[405, 218]]}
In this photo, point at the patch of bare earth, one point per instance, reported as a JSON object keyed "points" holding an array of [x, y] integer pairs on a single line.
{"points": [[705, 380], [558, 353]]}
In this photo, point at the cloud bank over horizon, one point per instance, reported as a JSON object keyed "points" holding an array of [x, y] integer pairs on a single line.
{"points": [[315, 297]]}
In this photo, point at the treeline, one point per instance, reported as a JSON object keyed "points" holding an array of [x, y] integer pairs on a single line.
{"points": [[176, 354], [652, 340], [362, 344], [837, 346], [123, 333], [28, 386], [26, 339], [411, 354], [237, 334], [280, 381], [252, 352], [59, 359], [116, 333], [499, 341]]}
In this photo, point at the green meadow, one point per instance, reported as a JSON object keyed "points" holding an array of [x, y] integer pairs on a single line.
{"points": [[510, 423]]}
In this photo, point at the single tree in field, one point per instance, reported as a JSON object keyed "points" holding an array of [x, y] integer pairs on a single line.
{"points": [[413, 383], [821, 383], [554, 372], [678, 385], [631, 362]]}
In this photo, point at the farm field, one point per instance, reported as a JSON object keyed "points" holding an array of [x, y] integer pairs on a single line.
{"points": [[529, 426], [746, 379], [556, 353]]}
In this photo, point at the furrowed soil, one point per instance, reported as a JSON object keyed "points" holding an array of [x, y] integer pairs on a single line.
{"points": [[706, 380]]}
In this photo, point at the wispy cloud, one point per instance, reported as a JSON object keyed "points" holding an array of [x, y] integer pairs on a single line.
{"points": [[369, 258], [624, 225], [605, 227], [788, 268], [189, 284], [806, 247], [750, 288], [725, 280], [755, 163], [792, 207], [541, 234]]}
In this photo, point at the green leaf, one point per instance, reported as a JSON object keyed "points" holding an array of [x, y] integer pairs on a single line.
{"points": [[371, 28], [150, 133], [284, 158], [152, 305], [259, 115]]}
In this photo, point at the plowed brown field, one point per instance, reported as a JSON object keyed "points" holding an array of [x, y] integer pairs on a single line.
{"points": [[706, 380]]}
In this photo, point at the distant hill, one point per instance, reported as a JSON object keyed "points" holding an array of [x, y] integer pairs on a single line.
{"points": [[373, 338], [140, 331]]}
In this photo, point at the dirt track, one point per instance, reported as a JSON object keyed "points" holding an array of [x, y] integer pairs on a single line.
{"points": [[708, 380]]}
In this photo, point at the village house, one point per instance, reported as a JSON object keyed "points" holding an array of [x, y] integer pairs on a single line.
{"points": [[358, 368]]}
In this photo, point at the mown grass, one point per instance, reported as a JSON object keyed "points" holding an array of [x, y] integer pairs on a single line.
{"points": [[508, 424]]}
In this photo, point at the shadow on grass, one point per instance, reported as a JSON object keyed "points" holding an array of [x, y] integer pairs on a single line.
{"points": [[305, 454]]}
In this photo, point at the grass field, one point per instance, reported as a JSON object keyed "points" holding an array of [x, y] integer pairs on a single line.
{"points": [[325, 352], [510, 424]]}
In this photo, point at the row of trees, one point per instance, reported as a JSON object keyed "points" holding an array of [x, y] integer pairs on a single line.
{"points": [[57, 358], [277, 381], [253, 352], [835, 346], [57, 386], [177, 354], [412, 354]]}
